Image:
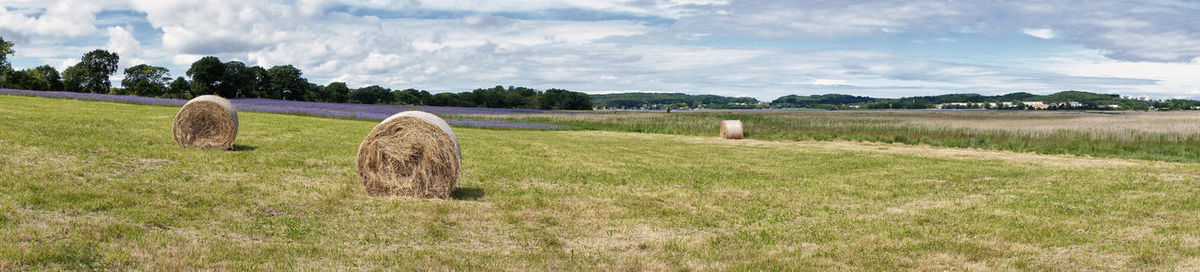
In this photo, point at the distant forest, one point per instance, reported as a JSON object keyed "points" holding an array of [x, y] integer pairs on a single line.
{"points": [[1085, 100], [820, 101], [673, 100], [234, 79]]}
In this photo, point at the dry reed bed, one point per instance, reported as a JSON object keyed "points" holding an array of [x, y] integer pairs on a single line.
{"points": [[1170, 136]]}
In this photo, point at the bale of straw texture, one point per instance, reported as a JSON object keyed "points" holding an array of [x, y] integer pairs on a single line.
{"points": [[731, 129], [410, 154], [208, 122]]}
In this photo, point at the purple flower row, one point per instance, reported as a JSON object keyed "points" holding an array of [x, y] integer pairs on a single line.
{"points": [[98, 97], [339, 110]]}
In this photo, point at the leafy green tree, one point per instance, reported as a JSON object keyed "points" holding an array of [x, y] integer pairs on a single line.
{"points": [[7, 76], [468, 99], [316, 93], [208, 76], [146, 80], [5, 50], [371, 94], [41, 78], [16, 79], [634, 100], [578, 101], [338, 92], [286, 80], [260, 83], [73, 78], [445, 99], [180, 88], [238, 80], [411, 97], [27, 79], [50, 76], [551, 99], [817, 101], [94, 69], [405, 98], [558, 99]]}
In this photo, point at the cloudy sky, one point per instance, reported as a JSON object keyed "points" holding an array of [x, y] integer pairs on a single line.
{"points": [[763, 49]]}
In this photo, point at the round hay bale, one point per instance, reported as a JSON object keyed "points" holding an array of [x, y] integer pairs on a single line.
{"points": [[208, 122], [731, 129], [410, 154]]}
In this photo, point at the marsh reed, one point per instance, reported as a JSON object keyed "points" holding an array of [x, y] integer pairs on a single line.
{"points": [[1166, 136]]}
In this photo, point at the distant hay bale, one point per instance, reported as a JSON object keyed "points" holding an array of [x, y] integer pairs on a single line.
{"points": [[411, 154], [731, 129], [208, 122]]}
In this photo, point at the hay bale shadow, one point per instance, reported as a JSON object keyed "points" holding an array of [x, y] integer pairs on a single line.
{"points": [[238, 147], [467, 193]]}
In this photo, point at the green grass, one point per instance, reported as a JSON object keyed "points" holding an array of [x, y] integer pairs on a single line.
{"points": [[95, 185], [1114, 138]]}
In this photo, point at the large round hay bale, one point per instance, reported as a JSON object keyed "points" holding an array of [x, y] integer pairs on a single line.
{"points": [[731, 129], [410, 154], [208, 122]]}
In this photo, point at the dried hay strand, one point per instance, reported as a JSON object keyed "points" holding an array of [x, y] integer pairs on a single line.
{"points": [[731, 129], [410, 154], [208, 122]]}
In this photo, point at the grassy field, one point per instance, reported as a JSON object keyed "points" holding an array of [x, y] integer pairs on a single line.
{"points": [[96, 185], [1166, 136]]}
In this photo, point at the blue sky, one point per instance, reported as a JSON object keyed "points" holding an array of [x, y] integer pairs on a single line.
{"points": [[763, 49]]}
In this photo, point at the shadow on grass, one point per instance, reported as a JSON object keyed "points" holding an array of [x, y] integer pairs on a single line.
{"points": [[238, 147], [467, 193]]}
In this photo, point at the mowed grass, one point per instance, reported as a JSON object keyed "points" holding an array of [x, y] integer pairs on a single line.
{"points": [[96, 185], [1166, 136]]}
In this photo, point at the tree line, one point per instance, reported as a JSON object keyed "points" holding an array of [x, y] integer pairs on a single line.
{"points": [[638, 100], [824, 101], [1086, 100], [234, 79]]}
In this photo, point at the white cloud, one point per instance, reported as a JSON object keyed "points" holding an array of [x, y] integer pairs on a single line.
{"points": [[122, 42], [1161, 31], [1175, 79], [185, 60], [66, 63], [63, 18], [221, 26], [821, 81], [479, 46], [1044, 33], [69, 18], [663, 8]]}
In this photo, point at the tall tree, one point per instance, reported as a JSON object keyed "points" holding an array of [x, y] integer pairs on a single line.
{"points": [[41, 78], [50, 76], [261, 83], [180, 88], [316, 93], [96, 67], [238, 80], [411, 97], [207, 74], [146, 80], [578, 101], [5, 50], [338, 92], [73, 78], [17, 79], [286, 81], [371, 94]]}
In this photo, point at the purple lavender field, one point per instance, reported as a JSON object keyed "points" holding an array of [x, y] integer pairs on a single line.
{"points": [[337, 110]]}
